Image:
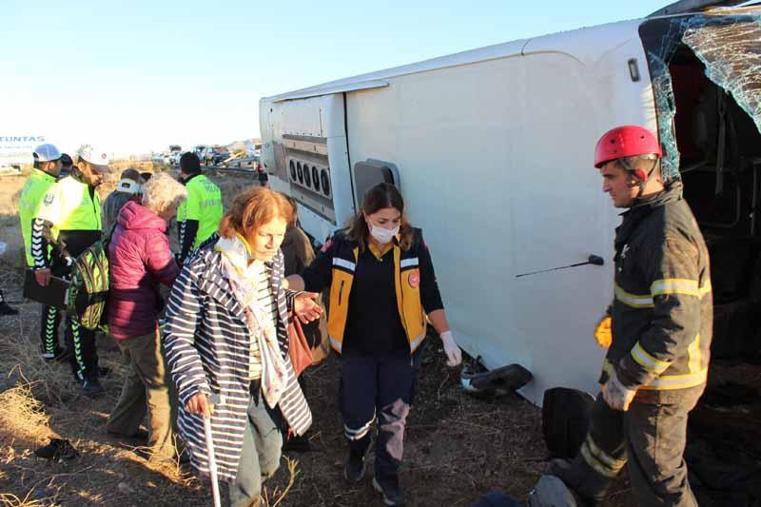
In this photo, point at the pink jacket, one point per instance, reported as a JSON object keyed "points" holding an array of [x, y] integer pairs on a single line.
{"points": [[139, 259]]}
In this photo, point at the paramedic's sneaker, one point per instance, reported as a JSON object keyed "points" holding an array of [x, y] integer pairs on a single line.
{"points": [[389, 488], [355, 467], [92, 388], [6, 309]]}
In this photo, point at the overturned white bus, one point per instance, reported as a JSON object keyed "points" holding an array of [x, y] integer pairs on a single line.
{"points": [[492, 149]]}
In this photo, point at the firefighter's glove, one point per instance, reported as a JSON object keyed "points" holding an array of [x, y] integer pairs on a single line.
{"points": [[453, 352], [603, 333], [616, 395]]}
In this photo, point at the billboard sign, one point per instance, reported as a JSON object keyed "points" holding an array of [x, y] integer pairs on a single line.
{"points": [[17, 150]]}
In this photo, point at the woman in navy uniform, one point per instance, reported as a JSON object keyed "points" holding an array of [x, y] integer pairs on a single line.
{"points": [[382, 288]]}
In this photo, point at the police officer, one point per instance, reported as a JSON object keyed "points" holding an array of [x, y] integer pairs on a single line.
{"points": [[47, 166], [661, 320], [70, 220], [199, 216]]}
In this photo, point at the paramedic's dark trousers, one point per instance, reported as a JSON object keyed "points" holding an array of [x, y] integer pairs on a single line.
{"points": [[50, 319], [81, 342], [382, 388], [649, 438]]}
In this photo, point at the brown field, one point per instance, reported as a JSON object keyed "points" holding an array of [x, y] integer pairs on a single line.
{"points": [[458, 447]]}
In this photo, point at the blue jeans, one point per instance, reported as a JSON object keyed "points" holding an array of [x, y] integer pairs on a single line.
{"points": [[259, 457]]}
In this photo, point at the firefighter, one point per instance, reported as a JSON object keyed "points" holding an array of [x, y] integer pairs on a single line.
{"points": [[70, 220], [382, 290], [661, 321], [47, 166], [199, 216]]}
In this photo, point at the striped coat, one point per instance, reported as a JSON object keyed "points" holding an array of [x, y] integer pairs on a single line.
{"points": [[207, 350]]}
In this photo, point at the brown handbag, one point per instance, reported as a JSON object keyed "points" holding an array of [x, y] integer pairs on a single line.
{"points": [[298, 347]]}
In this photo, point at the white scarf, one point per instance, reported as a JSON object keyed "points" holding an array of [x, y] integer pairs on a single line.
{"points": [[241, 272]]}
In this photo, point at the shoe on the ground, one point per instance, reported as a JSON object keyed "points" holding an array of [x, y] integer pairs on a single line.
{"points": [[356, 466], [57, 450], [92, 388], [298, 444], [6, 309], [588, 488], [389, 488], [57, 355]]}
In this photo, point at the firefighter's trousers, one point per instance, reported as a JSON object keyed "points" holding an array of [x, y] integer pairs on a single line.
{"points": [[650, 438]]}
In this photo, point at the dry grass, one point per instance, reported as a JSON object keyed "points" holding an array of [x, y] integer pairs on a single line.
{"points": [[457, 447]]}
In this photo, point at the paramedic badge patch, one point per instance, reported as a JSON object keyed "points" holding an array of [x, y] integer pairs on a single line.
{"points": [[414, 279]]}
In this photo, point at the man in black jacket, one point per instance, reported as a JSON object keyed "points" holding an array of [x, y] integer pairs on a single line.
{"points": [[657, 363]]}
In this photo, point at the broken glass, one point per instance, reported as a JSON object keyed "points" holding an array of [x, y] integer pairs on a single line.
{"points": [[731, 54], [730, 48]]}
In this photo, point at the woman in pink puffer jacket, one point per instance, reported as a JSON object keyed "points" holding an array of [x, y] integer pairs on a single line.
{"points": [[140, 259]]}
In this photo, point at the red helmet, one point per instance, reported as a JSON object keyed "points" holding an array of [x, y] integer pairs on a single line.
{"points": [[626, 141]]}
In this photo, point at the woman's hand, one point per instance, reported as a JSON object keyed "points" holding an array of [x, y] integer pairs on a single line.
{"points": [[199, 404], [451, 349], [306, 308]]}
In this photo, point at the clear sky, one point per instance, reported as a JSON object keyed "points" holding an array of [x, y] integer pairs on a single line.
{"points": [[138, 75]]}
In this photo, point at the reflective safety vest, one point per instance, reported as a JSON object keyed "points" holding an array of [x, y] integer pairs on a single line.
{"points": [[204, 204], [71, 206], [406, 283], [37, 185]]}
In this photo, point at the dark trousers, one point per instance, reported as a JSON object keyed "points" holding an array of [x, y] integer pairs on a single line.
{"points": [[379, 388], [649, 438], [80, 341], [50, 319]]}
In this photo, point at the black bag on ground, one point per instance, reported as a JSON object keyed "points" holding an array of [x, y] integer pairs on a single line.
{"points": [[565, 420]]}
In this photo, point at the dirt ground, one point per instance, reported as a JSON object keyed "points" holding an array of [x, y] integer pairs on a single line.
{"points": [[457, 447]]}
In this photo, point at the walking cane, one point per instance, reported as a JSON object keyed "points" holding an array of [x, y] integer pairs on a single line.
{"points": [[212, 461]]}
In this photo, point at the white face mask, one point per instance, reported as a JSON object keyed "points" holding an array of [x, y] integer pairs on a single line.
{"points": [[383, 235]]}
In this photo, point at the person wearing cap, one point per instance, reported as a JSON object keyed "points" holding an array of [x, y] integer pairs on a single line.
{"points": [[127, 189], [199, 216], [661, 317], [69, 219], [47, 166]]}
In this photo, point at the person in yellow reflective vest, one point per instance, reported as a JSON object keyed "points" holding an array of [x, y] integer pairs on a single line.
{"points": [[69, 219], [47, 166], [383, 291], [199, 216], [659, 332]]}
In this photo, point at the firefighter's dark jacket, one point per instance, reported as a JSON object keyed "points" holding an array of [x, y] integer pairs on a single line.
{"points": [[662, 310], [414, 281]]}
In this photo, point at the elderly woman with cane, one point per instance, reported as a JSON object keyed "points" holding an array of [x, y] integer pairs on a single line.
{"points": [[227, 346]]}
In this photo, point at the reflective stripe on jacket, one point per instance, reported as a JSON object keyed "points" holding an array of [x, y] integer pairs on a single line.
{"points": [[663, 310], [37, 185], [335, 267], [71, 205]]}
